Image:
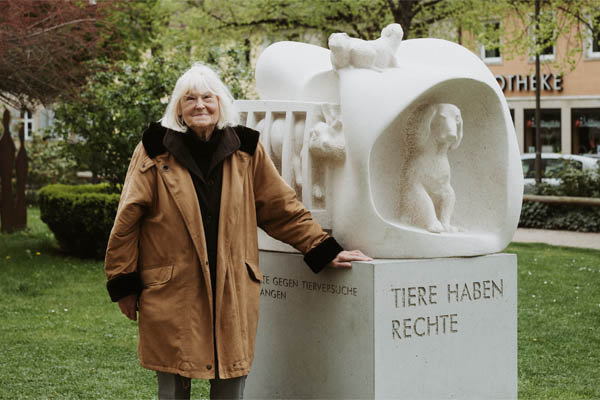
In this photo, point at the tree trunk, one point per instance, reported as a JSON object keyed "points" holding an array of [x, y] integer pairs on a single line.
{"points": [[538, 122]]}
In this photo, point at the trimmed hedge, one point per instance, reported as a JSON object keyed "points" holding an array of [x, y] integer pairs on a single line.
{"points": [[80, 216], [557, 216]]}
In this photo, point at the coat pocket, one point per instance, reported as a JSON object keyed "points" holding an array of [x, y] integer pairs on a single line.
{"points": [[254, 272], [157, 276]]}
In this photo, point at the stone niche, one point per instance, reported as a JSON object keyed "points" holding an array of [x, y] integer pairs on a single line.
{"points": [[443, 328], [339, 137]]}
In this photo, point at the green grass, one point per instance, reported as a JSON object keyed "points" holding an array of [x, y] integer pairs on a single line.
{"points": [[61, 337], [559, 322]]}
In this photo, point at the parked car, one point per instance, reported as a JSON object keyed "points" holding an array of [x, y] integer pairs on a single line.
{"points": [[595, 156], [552, 162]]}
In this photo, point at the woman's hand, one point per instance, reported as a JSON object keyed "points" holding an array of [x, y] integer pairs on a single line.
{"points": [[128, 306], [344, 259]]}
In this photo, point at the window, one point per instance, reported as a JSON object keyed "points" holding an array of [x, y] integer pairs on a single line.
{"points": [[549, 130], [45, 122], [490, 51], [552, 166], [593, 42], [27, 120], [547, 37], [585, 131]]}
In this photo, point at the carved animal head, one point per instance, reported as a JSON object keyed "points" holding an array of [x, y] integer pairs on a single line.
{"points": [[337, 40], [394, 33], [442, 123]]}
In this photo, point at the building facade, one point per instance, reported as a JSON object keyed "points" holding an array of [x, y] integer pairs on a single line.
{"points": [[570, 100], [34, 122]]}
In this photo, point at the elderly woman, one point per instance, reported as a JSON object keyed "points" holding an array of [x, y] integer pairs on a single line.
{"points": [[183, 250]]}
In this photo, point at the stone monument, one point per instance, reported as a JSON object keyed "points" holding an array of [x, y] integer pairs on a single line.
{"points": [[405, 150]]}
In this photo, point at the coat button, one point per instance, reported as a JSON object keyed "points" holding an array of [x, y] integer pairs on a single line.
{"points": [[209, 367], [211, 182]]}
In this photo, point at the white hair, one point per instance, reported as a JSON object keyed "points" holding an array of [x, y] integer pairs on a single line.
{"points": [[199, 78]]}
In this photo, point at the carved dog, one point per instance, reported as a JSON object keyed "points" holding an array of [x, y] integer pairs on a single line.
{"points": [[376, 54], [427, 199]]}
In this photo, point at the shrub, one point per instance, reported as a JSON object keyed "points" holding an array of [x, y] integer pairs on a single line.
{"points": [[104, 124], [48, 163], [558, 216], [80, 216], [573, 182]]}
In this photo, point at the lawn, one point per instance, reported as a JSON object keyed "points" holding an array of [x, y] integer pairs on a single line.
{"points": [[559, 321], [61, 337]]}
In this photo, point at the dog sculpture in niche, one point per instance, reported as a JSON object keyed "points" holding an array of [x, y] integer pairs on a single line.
{"points": [[374, 54], [427, 199]]}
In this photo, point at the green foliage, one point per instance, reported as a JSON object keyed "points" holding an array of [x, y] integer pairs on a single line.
{"points": [[234, 69], [246, 25], [563, 217], [104, 125], [48, 163], [519, 35], [573, 182], [80, 216]]}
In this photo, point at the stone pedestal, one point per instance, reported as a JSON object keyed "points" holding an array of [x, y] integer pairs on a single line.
{"points": [[414, 329]]}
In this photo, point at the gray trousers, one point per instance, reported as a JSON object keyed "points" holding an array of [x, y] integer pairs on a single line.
{"points": [[173, 386]]}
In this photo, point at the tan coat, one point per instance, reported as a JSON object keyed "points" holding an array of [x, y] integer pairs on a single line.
{"points": [[158, 234]]}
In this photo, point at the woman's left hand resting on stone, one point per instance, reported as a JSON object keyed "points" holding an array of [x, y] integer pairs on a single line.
{"points": [[344, 259]]}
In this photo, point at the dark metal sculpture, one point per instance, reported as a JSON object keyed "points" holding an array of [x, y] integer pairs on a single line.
{"points": [[21, 168], [13, 215], [7, 161]]}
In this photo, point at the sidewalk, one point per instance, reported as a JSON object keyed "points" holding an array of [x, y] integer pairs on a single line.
{"points": [[558, 238]]}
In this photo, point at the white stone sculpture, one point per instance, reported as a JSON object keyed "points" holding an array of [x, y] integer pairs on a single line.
{"points": [[327, 138], [426, 195], [360, 198], [326, 143], [377, 54], [277, 132]]}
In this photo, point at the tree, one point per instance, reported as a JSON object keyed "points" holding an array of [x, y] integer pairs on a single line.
{"points": [[359, 18], [214, 20], [227, 33], [46, 46], [531, 27], [519, 35], [104, 124]]}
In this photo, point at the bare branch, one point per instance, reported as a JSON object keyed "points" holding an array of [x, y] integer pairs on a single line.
{"points": [[577, 16], [43, 31]]}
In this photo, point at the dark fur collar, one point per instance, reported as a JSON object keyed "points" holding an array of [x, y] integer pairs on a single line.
{"points": [[153, 137], [248, 138]]}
